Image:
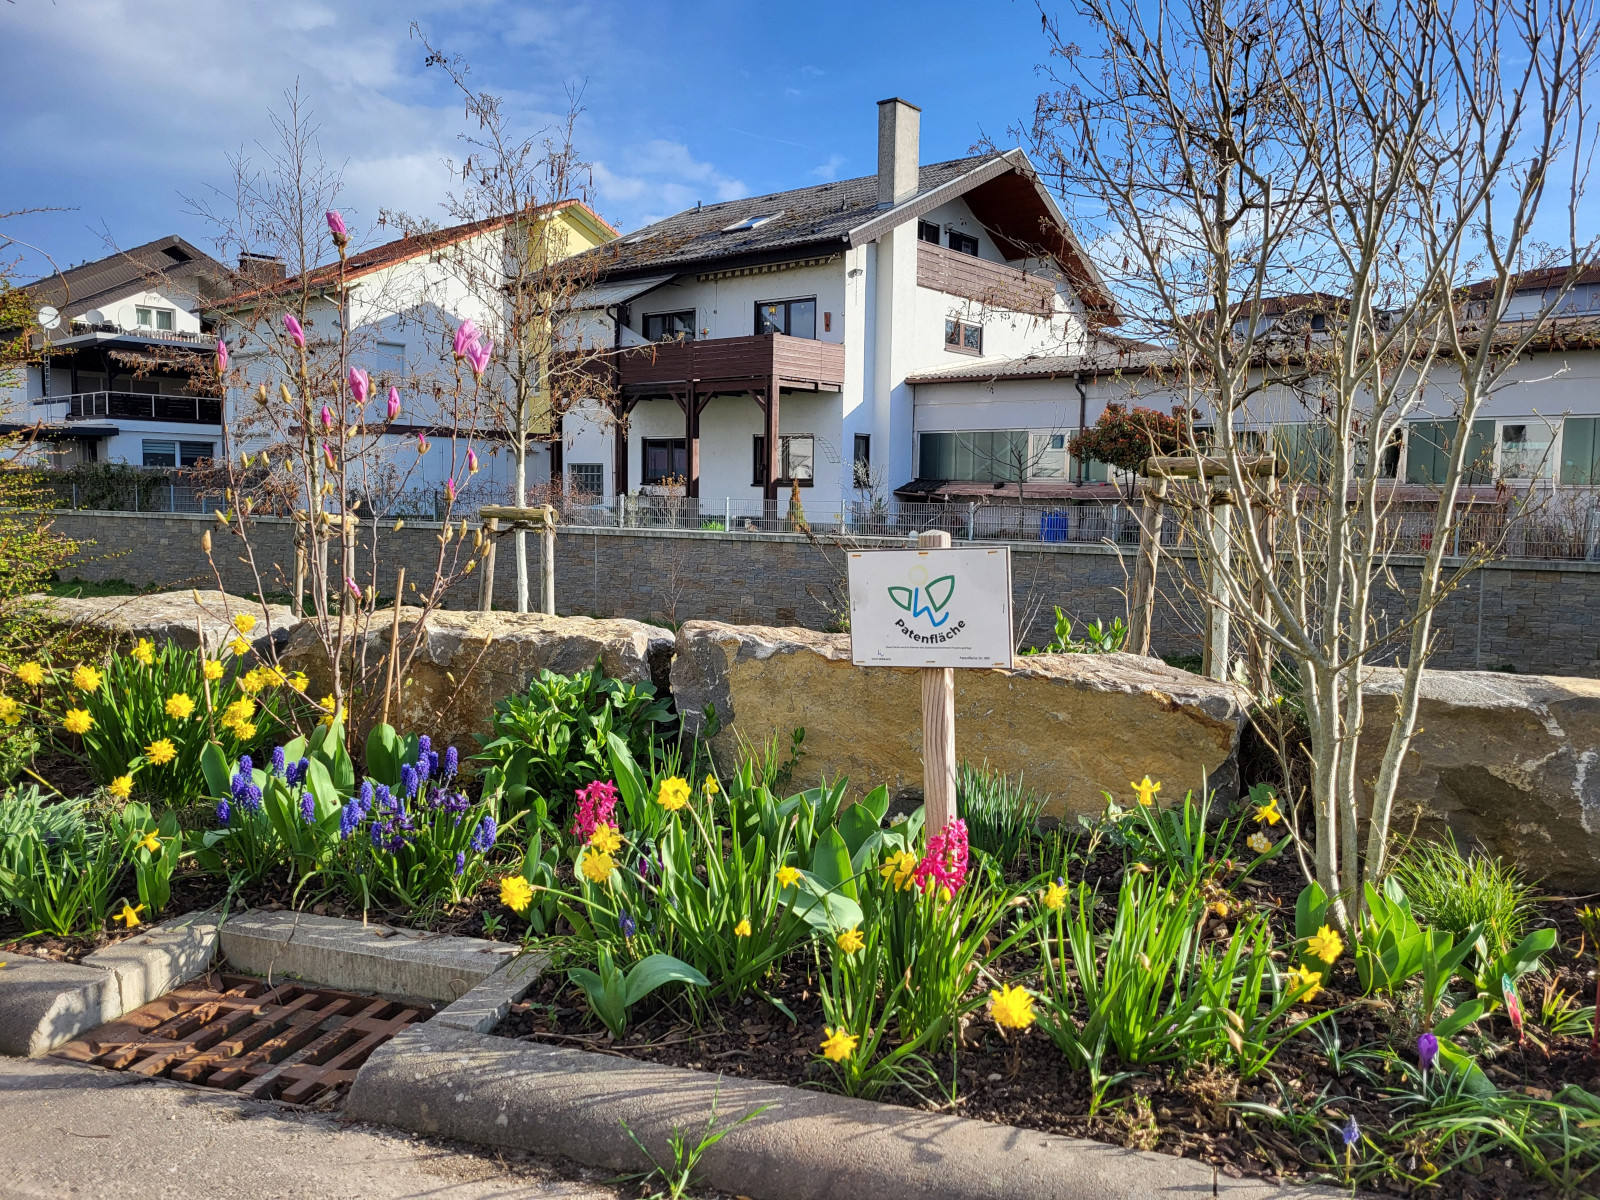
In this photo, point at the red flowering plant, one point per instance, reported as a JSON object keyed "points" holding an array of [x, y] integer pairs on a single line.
{"points": [[1124, 437]]}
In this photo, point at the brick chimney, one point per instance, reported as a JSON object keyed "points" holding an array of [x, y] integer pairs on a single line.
{"points": [[899, 125]]}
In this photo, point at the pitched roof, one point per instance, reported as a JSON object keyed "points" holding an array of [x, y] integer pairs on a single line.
{"points": [[829, 217], [1108, 355], [168, 263], [1540, 280]]}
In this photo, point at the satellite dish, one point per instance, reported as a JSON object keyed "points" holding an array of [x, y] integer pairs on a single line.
{"points": [[95, 317], [49, 318]]}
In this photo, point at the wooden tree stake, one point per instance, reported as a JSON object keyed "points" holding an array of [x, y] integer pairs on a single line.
{"points": [[491, 530], [394, 645], [938, 727]]}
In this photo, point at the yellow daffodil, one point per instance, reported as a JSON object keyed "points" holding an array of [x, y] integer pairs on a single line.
{"points": [[851, 940], [252, 681], [30, 674], [516, 893], [86, 678], [121, 787], [77, 721], [151, 843], [1300, 977], [742, 929], [10, 710], [161, 752], [213, 669], [240, 710], [245, 731], [244, 622], [597, 866], [710, 786], [1259, 842], [838, 1045], [274, 676], [1220, 908], [1268, 813], [239, 646], [899, 870], [1055, 896], [1011, 1007], [605, 839], [298, 681], [1146, 791], [1325, 944], [674, 794], [129, 916], [143, 652], [787, 876], [179, 706]]}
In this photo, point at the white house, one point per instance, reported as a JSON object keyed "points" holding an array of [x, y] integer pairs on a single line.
{"points": [[123, 377], [767, 342]]}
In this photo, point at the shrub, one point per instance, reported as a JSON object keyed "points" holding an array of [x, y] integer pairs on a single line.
{"points": [[1455, 891], [57, 869], [1124, 437]]}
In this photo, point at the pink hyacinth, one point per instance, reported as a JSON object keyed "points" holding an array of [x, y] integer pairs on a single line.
{"points": [[222, 356], [296, 334], [945, 863], [394, 403], [478, 355], [326, 417], [466, 335], [360, 385], [336, 226], [472, 461], [595, 806]]}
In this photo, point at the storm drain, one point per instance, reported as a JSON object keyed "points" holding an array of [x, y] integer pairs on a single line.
{"points": [[290, 1041]]}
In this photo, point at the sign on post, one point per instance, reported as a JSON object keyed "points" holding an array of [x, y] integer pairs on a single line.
{"points": [[935, 608]]}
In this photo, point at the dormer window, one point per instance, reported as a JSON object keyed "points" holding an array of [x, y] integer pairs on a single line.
{"points": [[153, 318], [755, 222]]}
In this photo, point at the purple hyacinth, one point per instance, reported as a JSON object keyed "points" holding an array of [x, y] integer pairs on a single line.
{"points": [[349, 820], [424, 744], [308, 808], [452, 763], [626, 924], [483, 836], [408, 781], [223, 812], [461, 861], [278, 761], [365, 796], [378, 834]]}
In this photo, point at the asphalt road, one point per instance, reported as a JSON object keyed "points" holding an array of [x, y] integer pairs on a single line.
{"points": [[71, 1131]]}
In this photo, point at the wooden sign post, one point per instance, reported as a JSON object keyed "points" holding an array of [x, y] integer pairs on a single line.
{"points": [[935, 608]]}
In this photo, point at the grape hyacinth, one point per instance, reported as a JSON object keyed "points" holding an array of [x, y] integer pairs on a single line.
{"points": [[364, 798], [483, 836], [461, 861], [308, 808], [223, 812], [278, 762], [452, 763], [243, 789], [349, 819], [627, 925], [408, 781]]}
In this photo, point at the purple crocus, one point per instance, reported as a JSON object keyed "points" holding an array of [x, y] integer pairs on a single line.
{"points": [[478, 356], [296, 334], [394, 403], [1427, 1050], [222, 356], [466, 335], [360, 385], [336, 226]]}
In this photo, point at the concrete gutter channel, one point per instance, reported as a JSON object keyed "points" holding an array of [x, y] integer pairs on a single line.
{"points": [[449, 1078]]}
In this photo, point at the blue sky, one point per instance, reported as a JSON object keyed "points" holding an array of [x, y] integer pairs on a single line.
{"points": [[117, 109]]}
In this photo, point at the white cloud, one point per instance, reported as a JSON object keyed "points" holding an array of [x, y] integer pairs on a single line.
{"points": [[830, 169], [665, 175]]}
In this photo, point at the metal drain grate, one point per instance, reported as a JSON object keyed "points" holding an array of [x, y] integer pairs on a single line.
{"points": [[291, 1042]]}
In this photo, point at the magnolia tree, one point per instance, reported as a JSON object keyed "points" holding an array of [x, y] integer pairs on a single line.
{"points": [[1386, 155]]}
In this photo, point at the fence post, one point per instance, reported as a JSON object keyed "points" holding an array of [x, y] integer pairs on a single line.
{"points": [[972, 519], [74, 493], [727, 514], [136, 495], [172, 493]]}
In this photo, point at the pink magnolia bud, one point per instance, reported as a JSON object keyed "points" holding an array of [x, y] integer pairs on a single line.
{"points": [[336, 226], [222, 356], [422, 443], [466, 335], [450, 489], [472, 461], [296, 334], [360, 385], [478, 356], [353, 587], [327, 453], [327, 417], [394, 403]]}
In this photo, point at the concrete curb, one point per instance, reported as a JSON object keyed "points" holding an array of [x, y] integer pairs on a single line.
{"points": [[45, 1003], [340, 953], [454, 1083]]}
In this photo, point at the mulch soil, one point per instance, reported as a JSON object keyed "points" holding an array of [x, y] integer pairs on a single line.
{"points": [[1026, 1082]]}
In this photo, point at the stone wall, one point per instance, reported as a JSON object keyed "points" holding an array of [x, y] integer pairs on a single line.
{"points": [[1539, 617]]}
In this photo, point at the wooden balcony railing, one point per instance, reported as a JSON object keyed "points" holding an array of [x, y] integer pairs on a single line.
{"points": [[737, 364]]}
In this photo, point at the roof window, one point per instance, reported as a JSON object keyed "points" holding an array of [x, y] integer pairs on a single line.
{"points": [[754, 222]]}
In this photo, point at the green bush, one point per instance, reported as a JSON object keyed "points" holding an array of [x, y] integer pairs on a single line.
{"points": [[57, 869], [1001, 814], [1454, 891]]}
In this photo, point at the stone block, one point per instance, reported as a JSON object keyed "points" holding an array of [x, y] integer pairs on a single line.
{"points": [[486, 1005], [181, 617], [150, 965], [1073, 725], [45, 1003]]}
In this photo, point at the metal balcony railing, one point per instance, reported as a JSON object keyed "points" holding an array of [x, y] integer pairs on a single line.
{"points": [[138, 406]]}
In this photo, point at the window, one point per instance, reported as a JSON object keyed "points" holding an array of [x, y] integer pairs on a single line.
{"points": [[1429, 444], [997, 456], [389, 361], [927, 231], [797, 318], [1524, 450], [963, 244], [587, 479], [160, 454], [1580, 450], [963, 337], [1047, 458], [862, 466], [796, 460], [190, 453], [669, 327], [665, 459], [754, 222], [153, 318]]}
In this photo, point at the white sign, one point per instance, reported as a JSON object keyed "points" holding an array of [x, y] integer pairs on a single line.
{"points": [[931, 608]]}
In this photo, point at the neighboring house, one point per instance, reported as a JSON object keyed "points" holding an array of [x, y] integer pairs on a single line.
{"points": [[768, 342], [124, 374], [401, 302]]}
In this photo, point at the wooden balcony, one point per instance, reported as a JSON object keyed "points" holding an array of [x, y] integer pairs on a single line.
{"points": [[734, 365]]}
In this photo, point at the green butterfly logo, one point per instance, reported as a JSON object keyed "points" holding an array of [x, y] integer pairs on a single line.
{"points": [[937, 592]]}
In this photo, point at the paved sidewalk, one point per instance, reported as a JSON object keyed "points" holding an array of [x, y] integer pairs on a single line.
{"points": [[70, 1131]]}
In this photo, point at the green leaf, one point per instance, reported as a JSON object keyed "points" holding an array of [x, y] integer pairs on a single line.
{"points": [[652, 972], [856, 826], [320, 784], [1309, 911], [1464, 1015], [630, 780], [214, 765], [830, 864], [383, 755]]}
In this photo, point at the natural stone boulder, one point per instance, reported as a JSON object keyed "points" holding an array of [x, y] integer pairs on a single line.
{"points": [[1074, 725], [469, 660], [180, 616], [1508, 761]]}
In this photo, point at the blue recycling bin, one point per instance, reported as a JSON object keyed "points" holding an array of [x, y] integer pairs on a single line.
{"points": [[1053, 527]]}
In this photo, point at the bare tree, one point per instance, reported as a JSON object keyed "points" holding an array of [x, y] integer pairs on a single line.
{"points": [[1386, 153]]}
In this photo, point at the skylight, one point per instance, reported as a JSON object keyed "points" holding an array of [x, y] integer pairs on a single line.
{"points": [[754, 222]]}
